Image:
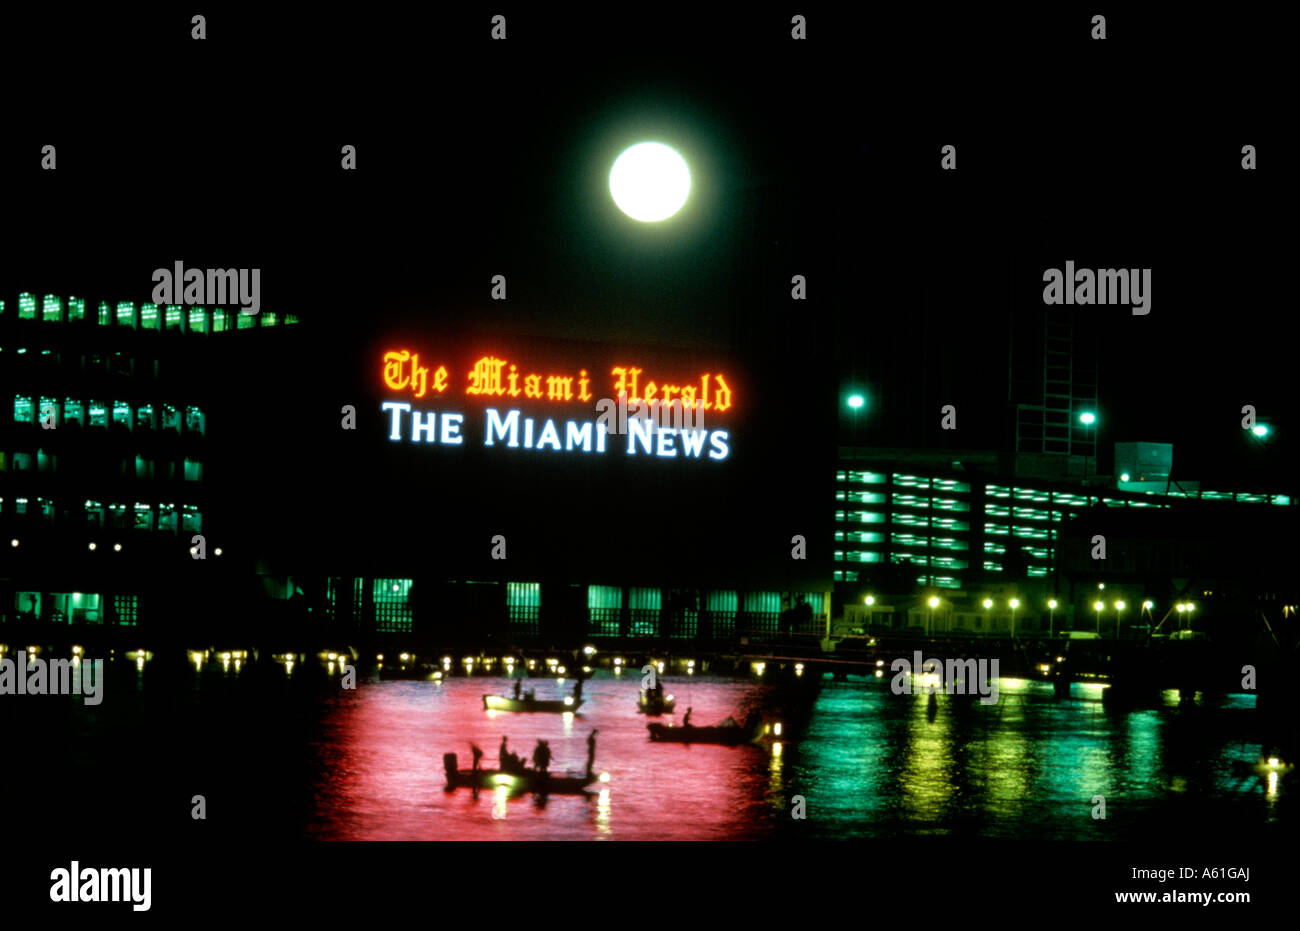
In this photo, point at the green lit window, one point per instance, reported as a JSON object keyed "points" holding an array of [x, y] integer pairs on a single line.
{"points": [[126, 608], [722, 608], [74, 411], [193, 471], [105, 315], [997, 530], [762, 611], [174, 316], [990, 566], [220, 320], [167, 517], [269, 319], [951, 504], [644, 605], [392, 598], [148, 316], [290, 319], [191, 519], [144, 416], [143, 468], [171, 418], [997, 510], [122, 413], [51, 309], [1282, 499], [23, 409], [2, 307], [604, 606], [76, 308], [194, 419], [143, 516], [997, 491], [94, 513], [523, 602], [863, 556], [117, 516], [126, 314], [995, 548], [49, 411], [26, 306], [245, 321], [20, 505], [198, 320]]}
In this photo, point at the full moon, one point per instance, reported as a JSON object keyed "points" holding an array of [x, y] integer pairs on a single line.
{"points": [[649, 182]]}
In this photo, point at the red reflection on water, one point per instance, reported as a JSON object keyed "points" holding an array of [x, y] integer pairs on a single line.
{"points": [[380, 772]]}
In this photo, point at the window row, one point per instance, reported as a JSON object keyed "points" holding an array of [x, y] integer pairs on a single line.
{"points": [[45, 410], [187, 518], [184, 318], [138, 467]]}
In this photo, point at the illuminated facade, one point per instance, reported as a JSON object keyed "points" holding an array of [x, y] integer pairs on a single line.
{"points": [[103, 449]]}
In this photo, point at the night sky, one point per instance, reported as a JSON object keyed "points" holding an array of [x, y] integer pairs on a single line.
{"points": [[816, 160]]}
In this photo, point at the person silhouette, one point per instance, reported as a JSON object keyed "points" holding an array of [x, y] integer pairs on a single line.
{"points": [[519, 684], [591, 751], [686, 721], [503, 757]]}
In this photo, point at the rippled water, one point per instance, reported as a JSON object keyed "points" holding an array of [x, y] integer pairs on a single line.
{"points": [[870, 764]]}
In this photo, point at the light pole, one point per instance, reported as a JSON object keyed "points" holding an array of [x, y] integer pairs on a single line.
{"points": [[1181, 608], [934, 603], [855, 403], [1087, 418], [988, 604], [1119, 607], [1051, 619], [1015, 603], [1099, 606]]}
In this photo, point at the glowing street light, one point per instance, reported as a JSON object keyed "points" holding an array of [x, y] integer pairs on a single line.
{"points": [[1119, 609], [1260, 430], [929, 615], [870, 599], [1051, 617], [856, 401], [1015, 603], [649, 182], [1099, 606]]}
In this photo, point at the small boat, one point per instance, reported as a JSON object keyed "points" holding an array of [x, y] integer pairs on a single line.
{"points": [[527, 780], [501, 703], [728, 733], [656, 704]]}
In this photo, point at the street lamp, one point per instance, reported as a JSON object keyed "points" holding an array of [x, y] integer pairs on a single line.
{"points": [[1119, 607], [988, 604], [1099, 606], [870, 599], [1087, 418], [1015, 603], [934, 603], [1051, 618]]}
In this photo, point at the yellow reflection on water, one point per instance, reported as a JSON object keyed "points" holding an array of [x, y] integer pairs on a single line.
{"points": [[499, 803], [926, 779], [602, 812], [776, 783]]}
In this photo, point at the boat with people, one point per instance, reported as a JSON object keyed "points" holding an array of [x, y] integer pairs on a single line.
{"points": [[727, 733], [516, 780], [654, 702], [501, 703], [528, 701]]}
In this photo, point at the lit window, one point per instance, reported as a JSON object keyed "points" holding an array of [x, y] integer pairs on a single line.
{"points": [[171, 419], [104, 316], [149, 316], [245, 321], [143, 516], [194, 419], [94, 514], [191, 519], [167, 517], [122, 413], [49, 411], [98, 414], [220, 320], [193, 471], [269, 319], [198, 320], [126, 314], [144, 416], [74, 411], [51, 309], [27, 306], [174, 318], [22, 409]]}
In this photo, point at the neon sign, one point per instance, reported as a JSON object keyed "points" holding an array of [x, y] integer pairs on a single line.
{"points": [[495, 380]]}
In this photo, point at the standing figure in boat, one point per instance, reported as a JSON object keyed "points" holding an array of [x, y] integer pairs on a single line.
{"points": [[591, 752], [542, 756], [519, 684]]}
